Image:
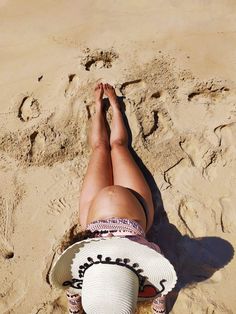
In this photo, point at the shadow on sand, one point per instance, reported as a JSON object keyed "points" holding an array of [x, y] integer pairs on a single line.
{"points": [[194, 259]]}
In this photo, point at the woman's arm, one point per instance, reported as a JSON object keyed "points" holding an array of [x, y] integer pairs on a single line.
{"points": [[159, 305], [74, 302]]}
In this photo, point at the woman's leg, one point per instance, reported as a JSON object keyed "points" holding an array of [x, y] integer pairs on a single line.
{"points": [[125, 170], [99, 171]]}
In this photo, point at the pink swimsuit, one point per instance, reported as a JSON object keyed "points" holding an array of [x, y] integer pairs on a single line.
{"points": [[118, 227]]}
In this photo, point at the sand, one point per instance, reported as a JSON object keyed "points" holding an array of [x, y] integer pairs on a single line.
{"points": [[174, 64]]}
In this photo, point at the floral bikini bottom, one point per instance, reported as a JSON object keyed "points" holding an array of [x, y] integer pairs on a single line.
{"points": [[117, 226]]}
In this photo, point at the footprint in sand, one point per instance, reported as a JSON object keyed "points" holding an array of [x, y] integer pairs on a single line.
{"points": [[226, 134], [6, 227], [135, 90], [38, 144], [228, 215], [156, 124], [73, 86], [207, 93], [57, 206], [200, 152], [74, 109], [29, 109], [98, 59], [11, 193], [195, 217]]}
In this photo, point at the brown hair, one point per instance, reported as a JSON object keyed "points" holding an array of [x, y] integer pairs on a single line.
{"points": [[71, 238]]}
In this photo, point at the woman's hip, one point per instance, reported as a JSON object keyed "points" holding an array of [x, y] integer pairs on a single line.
{"points": [[117, 201]]}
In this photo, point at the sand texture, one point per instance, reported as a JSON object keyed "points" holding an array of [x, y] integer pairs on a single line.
{"points": [[173, 64]]}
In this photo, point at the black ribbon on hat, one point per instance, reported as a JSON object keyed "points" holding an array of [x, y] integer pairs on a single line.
{"points": [[77, 283]]}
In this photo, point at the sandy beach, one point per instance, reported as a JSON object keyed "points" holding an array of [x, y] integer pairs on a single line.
{"points": [[173, 64]]}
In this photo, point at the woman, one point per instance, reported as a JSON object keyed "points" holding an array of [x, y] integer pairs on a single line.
{"points": [[115, 266]]}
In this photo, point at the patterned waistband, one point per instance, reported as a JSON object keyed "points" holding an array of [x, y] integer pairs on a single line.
{"points": [[117, 226]]}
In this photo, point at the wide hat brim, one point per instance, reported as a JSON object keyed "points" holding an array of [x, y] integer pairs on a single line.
{"points": [[154, 265]]}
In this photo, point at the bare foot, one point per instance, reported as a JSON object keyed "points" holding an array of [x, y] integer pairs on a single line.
{"points": [[111, 94], [98, 92]]}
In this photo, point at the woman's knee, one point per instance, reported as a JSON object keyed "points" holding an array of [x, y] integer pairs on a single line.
{"points": [[101, 145], [119, 143]]}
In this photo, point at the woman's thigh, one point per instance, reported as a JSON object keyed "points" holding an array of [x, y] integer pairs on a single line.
{"points": [[116, 201]]}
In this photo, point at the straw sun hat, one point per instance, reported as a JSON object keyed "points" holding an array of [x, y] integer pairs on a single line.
{"points": [[112, 274]]}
